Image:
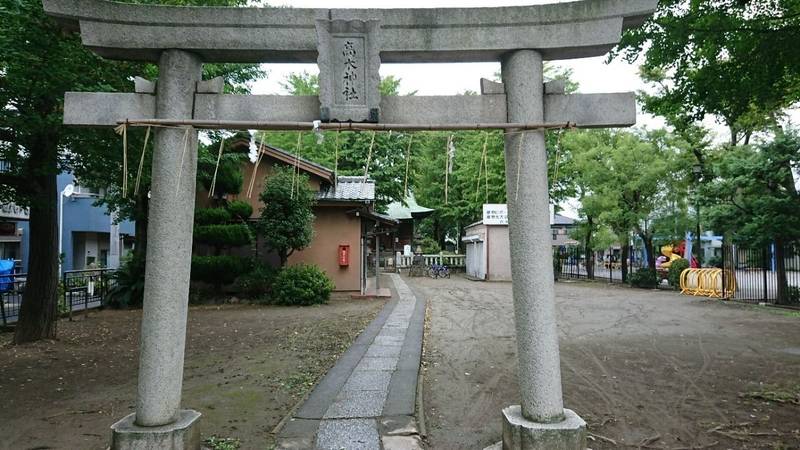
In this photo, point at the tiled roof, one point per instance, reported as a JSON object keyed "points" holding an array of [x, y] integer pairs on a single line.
{"points": [[558, 219], [349, 189], [408, 210]]}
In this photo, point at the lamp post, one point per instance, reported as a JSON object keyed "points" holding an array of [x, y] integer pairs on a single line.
{"points": [[67, 192], [697, 169]]}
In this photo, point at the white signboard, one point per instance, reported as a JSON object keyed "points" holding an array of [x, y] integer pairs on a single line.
{"points": [[14, 212], [495, 214]]}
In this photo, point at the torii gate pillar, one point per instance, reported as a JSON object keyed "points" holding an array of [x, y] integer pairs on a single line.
{"points": [[158, 422], [540, 422]]}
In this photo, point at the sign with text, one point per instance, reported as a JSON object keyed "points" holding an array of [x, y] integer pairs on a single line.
{"points": [[495, 214], [349, 61], [14, 212]]}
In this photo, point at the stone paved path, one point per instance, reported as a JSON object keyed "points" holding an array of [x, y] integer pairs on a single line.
{"points": [[367, 400]]}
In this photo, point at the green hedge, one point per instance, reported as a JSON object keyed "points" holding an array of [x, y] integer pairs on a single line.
{"points": [[675, 269], [301, 285], [257, 283], [234, 235], [240, 210], [211, 216], [219, 269], [644, 278]]}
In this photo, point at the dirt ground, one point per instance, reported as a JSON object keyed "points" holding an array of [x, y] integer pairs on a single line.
{"points": [[645, 369], [246, 368]]}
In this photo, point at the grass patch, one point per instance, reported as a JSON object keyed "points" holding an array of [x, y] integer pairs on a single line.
{"points": [[776, 394], [221, 443]]}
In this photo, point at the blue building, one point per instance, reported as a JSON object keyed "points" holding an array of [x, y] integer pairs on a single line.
{"points": [[85, 230]]}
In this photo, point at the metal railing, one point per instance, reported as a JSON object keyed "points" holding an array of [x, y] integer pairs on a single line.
{"points": [[764, 274], [82, 290], [85, 289], [11, 289], [571, 262]]}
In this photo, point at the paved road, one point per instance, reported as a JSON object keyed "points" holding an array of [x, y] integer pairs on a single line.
{"points": [[367, 400], [636, 365]]}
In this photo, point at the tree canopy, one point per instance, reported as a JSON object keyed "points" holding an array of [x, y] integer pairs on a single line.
{"points": [[737, 60]]}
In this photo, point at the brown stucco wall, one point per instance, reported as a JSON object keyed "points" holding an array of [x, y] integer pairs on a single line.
{"points": [[499, 253], [334, 227], [265, 168]]}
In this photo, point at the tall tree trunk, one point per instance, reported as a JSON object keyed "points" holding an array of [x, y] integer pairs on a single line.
{"points": [[647, 239], [626, 249], [587, 248], [39, 310], [780, 271]]}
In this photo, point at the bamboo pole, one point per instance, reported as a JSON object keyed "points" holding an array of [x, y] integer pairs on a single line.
{"points": [[340, 126]]}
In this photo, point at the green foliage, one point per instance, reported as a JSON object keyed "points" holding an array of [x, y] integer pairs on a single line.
{"points": [[287, 218], [675, 270], [221, 269], [257, 283], [737, 60], [36, 144], [127, 284], [229, 172], [793, 296], [626, 181], [233, 235], [219, 443], [240, 210], [211, 216], [752, 196], [301, 285], [644, 278], [429, 246]]}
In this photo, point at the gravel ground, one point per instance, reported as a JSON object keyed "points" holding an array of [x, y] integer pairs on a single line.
{"points": [[645, 369]]}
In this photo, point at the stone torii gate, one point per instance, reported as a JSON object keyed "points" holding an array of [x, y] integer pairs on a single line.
{"points": [[348, 45]]}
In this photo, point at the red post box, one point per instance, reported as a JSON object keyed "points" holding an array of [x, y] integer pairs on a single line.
{"points": [[344, 255]]}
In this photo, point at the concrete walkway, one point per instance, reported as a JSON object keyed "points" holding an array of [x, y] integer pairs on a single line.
{"points": [[367, 400]]}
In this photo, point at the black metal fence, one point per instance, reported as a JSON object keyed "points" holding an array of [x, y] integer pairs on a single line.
{"points": [[11, 290], [81, 290], [606, 265], [764, 274], [85, 289]]}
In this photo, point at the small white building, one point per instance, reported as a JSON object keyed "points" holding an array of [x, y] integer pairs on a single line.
{"points": [[488, 247]]}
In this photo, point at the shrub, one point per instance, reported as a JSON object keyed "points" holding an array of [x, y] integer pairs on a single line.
{"points": [[644, 278], [219, 269], [429, 246], [714, 261], [793, 295], [675, 269], [301, 285], [240, 210], [211, 216], [127, 285], [257, 283], [223, 235]]}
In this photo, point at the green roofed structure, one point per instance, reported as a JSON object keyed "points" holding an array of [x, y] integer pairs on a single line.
{"points": [[408, 213]]}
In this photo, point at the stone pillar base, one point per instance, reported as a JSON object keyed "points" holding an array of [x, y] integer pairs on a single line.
{"points": [[182, 434], [520, 433]]}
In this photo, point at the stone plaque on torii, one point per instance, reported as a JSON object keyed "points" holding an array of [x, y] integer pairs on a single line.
{"points": [[348, 45]]}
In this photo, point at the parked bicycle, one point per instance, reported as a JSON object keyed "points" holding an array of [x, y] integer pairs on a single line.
{"points": [[438, 271]]}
